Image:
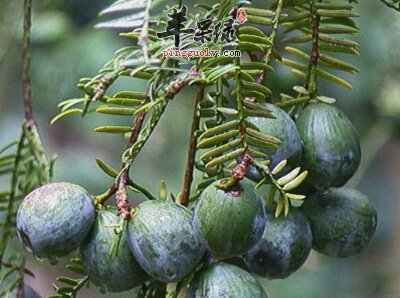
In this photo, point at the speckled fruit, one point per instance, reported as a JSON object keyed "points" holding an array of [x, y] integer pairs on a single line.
{"points": [[342, 220], [229, 222], [54, 219], [163, 240], [331, 151], [224, 281], [114, 271], [283, 128], [284, 246]]}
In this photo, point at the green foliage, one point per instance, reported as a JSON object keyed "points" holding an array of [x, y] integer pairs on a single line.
{"points": [[71, 286], [315, 34], [224, 133], [25, 164], [327, 25]]}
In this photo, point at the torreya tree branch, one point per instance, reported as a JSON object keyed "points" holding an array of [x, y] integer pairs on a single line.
{"points": [[311, 81], [26, 62], [192, 150]]}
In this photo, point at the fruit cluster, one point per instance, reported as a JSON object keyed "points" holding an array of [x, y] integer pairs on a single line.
{"points": [[230, 233]]}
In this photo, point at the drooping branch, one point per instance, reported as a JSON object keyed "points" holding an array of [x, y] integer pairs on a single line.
{"points": [[26, 62], [140, 133], [192, 150], [30, 124]]}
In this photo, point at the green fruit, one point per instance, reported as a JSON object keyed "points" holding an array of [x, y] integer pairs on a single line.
{"points": [[54, 219], [224, 281], [342, 220], [283, 128], [113, 271], [229, 222], [284, 246], [163, 240], [331, 151]]}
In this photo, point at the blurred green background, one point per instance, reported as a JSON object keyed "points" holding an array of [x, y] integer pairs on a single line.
{"points": [[66, 47]]}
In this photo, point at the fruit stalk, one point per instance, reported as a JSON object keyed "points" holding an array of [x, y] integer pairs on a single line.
{"points": [[192, 150], [122, 201], [121, 197], [240, 170]]}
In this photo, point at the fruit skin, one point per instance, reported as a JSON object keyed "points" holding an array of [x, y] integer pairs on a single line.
{"points": [[163, 240], [284, 246], [331, 152], [229, 224], [54, 219], [342, 220], [283, 128], [225, 281], [115, 271]]}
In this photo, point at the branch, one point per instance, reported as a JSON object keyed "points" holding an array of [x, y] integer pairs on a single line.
{"points": [[192, 150], [26, 62], [122, 194], [30, 124], [143, 38], [293, 102], [20, 268], [272, 38], [4, 235], [138, 138], [311, 81]]}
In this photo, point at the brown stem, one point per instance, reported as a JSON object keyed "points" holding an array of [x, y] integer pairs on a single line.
{"points": [[26, 62], [100, 199], [272, 37], [122, 201], [240, 170], [104, 83], [311, 81], [21, 268], [137, 126], [192, 150], [124, 179], [121, 197], [21, 290]]}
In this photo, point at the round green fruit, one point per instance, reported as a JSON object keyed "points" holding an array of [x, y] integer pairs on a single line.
{"points": [[224, 281], [111, 270], [284, 246], [54, 219], [229, 222], [164, 241], [342, 220], [283, 128], [331, 152]]}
